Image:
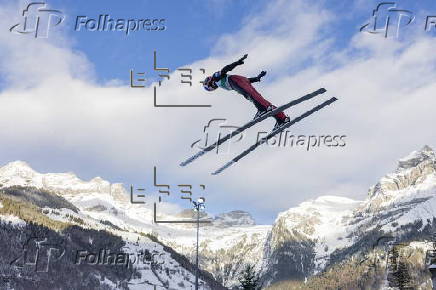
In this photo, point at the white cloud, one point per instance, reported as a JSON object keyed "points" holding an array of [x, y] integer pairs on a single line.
{"points": [[385, 107], [27, 61]]}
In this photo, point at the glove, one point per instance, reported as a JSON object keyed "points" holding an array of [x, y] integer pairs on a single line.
{"points": [[241, 60], [262, 74]]}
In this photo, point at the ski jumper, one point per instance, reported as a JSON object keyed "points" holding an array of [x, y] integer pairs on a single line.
{"points": [[243, 86]]}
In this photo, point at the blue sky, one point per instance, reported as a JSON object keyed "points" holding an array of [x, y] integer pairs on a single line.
{"points": [[192, 28], [95, 128]]}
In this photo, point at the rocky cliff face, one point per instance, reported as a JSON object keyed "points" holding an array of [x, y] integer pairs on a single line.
{"points": [[302, 238], [411, 174]]}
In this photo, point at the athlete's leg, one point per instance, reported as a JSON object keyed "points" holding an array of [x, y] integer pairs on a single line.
{"points": [[243, 86]]}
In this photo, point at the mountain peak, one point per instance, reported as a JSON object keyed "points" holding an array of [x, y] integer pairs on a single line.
{"points": [[427, 148], [234, 218], [415, 172], [17, 168], [416, 157], [20, 173], [22, 165], [98, 179]]}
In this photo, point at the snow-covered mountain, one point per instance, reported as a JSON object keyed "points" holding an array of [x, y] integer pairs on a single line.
{"points": [[302, 242], [325, 231], [20, 173], [102, 205], [303, 237], [94, 205], [234, 218]]}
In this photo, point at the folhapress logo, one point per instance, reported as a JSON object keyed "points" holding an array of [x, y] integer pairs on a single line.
{"points": [[38, 20], [104, 22], [385, 17]]}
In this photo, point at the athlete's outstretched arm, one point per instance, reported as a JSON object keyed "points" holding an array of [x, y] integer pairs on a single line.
{"points": [[259, 76], [220, 74], [231, 66]]}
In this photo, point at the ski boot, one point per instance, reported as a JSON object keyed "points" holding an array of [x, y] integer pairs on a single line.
{"points": [[261, 113], [280, 123]]}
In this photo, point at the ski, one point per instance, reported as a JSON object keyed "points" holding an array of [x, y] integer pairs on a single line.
{"points": [[272, 134], [251, 123]]}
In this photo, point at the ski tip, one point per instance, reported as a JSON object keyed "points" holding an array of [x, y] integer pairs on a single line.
{"points": [[192, 158], [322, 90], [186, 162], [219, 170]]}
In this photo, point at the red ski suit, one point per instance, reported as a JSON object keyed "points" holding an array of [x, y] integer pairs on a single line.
{"points": [[243, 86]]}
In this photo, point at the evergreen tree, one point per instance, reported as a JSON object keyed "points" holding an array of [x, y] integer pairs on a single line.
{"points": [[402, 276], [392, 267], [249, 279]]}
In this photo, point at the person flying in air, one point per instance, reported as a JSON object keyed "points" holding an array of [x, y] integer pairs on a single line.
{"points": [[243, 86]]}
